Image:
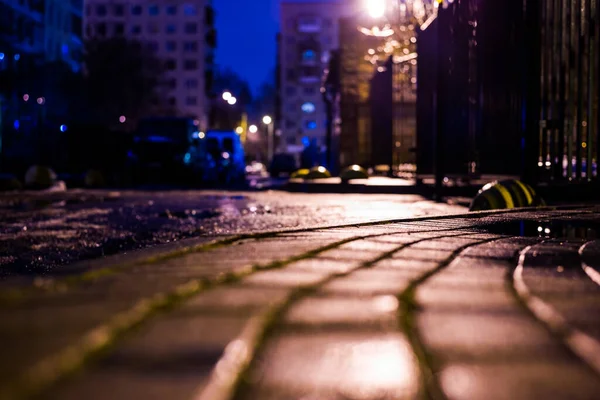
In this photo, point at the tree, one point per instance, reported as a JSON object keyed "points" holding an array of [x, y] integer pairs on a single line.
{"points": [[122, 78]]}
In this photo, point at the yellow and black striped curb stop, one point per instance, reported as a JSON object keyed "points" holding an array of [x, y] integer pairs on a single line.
{"points": [[318, 173], [354, 172], [505, 194]]}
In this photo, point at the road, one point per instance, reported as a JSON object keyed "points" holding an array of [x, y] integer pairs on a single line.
{"points": [[328, 301], [40, 232]]}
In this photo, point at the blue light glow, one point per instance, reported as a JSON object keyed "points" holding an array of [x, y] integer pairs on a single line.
{"points": [[65, 49], [16, 124], [305, 141], [17, 57], [1, 56], [308, 107], [311, 125], [187, 158], [63, 128]]}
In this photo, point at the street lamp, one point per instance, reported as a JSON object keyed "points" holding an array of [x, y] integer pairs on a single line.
{"points": [[267, 120], [253, 128], [226, 96], [376, 8], [231, 101]]}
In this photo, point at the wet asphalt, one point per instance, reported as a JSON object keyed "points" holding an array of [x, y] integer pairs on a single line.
{"points": [[40, 232]]}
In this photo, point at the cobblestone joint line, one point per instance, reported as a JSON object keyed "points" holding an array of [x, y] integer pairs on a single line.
{"points": [[55, 367], [407, 321], [583, 346], [238, 384]]}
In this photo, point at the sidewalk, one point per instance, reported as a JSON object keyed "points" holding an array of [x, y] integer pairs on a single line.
{"points": [[466, 306]]}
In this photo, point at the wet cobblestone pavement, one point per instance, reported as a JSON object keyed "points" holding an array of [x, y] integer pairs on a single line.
{"points": [[42, 232], [492, 305]]}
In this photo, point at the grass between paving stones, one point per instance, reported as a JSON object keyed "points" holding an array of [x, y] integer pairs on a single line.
{"points": [[11, 296], [407, 322], [242, 381], [101, 339]]}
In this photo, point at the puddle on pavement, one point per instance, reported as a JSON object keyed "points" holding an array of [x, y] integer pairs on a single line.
{"points": [[556, 229]]}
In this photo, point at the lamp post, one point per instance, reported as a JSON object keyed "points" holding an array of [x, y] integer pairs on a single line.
{"points": [[268, 121]]}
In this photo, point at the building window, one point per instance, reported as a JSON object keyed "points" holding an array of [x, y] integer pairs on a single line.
{"points": [[136, 29], [171, 45], [153, 27], [171, 64], [190, 47], [172, 10], [190, 101], [153, 10], [119, 10], [153, 46], [119, 29], [309, 91], [290, 91], [172, 83], [310, 125], [291, 140], [191, 83], [101, 10], [325, 56], [309, 56], [290, 74], [189, 9], [171, 28], [190, 28], [88, 10], [190, 65], [291, 107], [308, 107], [290, 40], [290, 124], [101, 29], [309, 24], [136, 10]]}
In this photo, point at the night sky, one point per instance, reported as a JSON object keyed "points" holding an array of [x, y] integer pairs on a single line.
{"points": [[246, 32]]}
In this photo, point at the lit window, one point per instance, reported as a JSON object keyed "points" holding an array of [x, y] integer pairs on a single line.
{"points": [[310, 125], [309, 24], [136, 10], [325, 57], [189, 9], [308, 107], [153, 10], [309, 56]]}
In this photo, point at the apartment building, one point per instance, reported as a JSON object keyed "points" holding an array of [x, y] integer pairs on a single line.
{"points": [[309, 32], [180, 32]]}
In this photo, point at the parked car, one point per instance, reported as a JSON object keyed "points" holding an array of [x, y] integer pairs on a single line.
{"points": [[282, 164], [225, 147]]}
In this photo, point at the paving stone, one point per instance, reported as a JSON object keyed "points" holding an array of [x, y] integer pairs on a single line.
{"points": [[324, 365], [369, 245], [282, 278], [530, 379], [421, 254], [346, 254], [322, 311], [317, 264], [458, 298], [402, 264], [367, 285], [240, 298], [170, 358], [459, 335]]}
